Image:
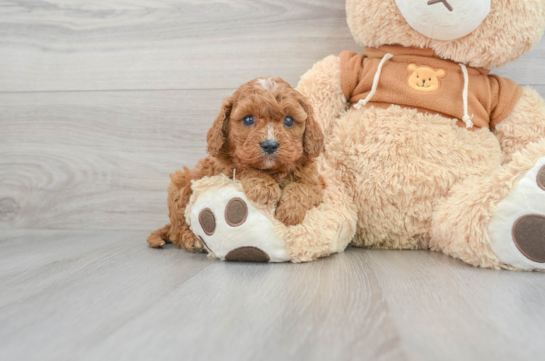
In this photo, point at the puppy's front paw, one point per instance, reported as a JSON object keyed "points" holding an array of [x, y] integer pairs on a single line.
{"points": [[290, 213], [262, 191], [190, 242]]}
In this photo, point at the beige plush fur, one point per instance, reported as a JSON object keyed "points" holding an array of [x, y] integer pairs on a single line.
{"points": [[322, 85], [519, 129], [511, 29], [404, 162], [397, 178], [326, 229], [419, 181], [460, 222]]}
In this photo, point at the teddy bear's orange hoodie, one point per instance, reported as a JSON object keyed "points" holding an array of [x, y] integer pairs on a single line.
{"points": [[418, 78]]}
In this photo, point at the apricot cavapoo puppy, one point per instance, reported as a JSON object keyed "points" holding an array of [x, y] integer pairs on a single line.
{"points": [[266, 131]]}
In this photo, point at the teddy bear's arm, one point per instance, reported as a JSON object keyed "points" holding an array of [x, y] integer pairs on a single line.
{"points": [[321, 85], [524, 125]]}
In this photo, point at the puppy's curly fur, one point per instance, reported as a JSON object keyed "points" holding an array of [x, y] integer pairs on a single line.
{"points": [[288, 177]]}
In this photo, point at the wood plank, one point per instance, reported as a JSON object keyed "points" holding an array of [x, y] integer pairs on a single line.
{"points": [[447, 310], [331, 309], [362, 304], [46, 259], [97, 160], [107, 296], [143, 44], [86, 285]]}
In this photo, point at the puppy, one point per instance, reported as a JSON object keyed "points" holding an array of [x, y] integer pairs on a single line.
{"points": [[267, 132]]}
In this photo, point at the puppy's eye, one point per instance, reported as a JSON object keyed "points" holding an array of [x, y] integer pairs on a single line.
{"points": [[248, 121], [289, 121]]}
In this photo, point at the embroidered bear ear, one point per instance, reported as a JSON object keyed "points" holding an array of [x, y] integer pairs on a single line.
{"points": [[412, 67], [441, 73]]}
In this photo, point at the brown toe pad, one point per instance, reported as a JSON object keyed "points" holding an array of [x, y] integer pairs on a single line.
{"points": [[207, 221], [529, 236], [541, 178], [236, 212], [247, 254]]}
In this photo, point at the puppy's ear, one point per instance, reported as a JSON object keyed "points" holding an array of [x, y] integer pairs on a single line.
{"points": [[313, 140], [217, 134]]}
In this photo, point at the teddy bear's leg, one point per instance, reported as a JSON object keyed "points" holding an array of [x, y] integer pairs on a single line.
{"points": [[525, 125], [233, 228], [321, 85], [328, 228], [497, 221]]}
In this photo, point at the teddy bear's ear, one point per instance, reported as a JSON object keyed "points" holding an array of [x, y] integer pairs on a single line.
{"points": [[412, 67], [440, 73], [217, 135]]}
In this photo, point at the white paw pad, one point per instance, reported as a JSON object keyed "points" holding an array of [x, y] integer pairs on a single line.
{"points": [[233, 229], [517, 229]]}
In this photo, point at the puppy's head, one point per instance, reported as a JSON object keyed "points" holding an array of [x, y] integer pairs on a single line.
{"points": [[266, 124]]}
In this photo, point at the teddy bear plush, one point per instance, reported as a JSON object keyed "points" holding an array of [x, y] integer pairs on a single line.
{"points": [[425, 149]]}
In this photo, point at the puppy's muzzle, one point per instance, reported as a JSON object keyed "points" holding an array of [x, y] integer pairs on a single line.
{"points": [[270, 146]]}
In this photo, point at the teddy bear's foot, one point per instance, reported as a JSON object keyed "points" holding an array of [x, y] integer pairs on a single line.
{"points": [[517, 228], [232, 229]]}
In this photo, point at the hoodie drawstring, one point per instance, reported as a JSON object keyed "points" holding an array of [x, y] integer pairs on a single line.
{"points": [[363, 102], [467, 119]]}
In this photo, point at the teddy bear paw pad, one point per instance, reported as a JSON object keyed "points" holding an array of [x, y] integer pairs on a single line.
{"points": [[517, 228], [232, 229], [247, 254], [541, 178], [529, 237]]}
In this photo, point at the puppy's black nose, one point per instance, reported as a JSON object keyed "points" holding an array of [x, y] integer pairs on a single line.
{"points": [[270, 146]]}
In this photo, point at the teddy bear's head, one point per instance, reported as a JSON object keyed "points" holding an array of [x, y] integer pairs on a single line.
{"points": [[480, 33]]}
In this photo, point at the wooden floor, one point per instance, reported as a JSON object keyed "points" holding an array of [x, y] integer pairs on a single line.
{"points": [[99, 102], [103, 295]]}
